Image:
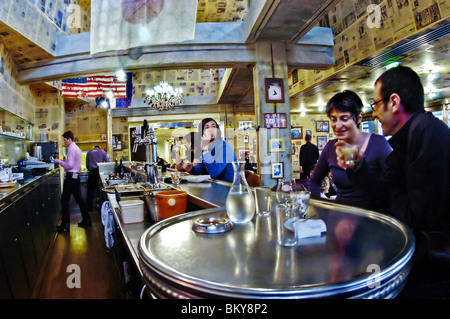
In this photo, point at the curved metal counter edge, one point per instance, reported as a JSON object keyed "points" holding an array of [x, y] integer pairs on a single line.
{"points": [[166, 282]]}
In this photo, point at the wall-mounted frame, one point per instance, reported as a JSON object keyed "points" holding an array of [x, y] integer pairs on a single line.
{"points": [[308, 132], [241, 153], [277, 145], [275, 120], [277, 170], [321, 142], [297, 132], [322, 126], [117, 142], [245, 125], [274, 90]]}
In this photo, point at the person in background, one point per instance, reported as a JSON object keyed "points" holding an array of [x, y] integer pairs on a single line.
{"points": [[344, 110], [217, 155], [249, 165], [72, 166], [93, 157], [193, 151], [309, 154], [415, 185]]}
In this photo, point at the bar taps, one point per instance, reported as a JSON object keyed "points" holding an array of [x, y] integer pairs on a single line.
{"points": [[144, 135]]}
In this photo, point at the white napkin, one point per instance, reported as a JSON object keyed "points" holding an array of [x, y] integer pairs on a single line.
{"points": [[196, 178], [309, 227]]}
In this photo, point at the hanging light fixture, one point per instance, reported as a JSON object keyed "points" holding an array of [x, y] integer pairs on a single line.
{"points": [[164, 97]]}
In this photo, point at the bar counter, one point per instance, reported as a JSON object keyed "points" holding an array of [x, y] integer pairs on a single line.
{"points": [[363, 254]]}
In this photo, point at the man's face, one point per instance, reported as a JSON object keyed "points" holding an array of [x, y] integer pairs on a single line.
{"points": [[66, 141], [383, 112]]}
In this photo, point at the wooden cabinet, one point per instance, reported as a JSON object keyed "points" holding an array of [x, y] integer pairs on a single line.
{"points": [[27, 227], [12, 253]]}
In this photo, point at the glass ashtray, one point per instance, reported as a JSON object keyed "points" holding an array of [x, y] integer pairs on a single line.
{"points": [[212, 225]]}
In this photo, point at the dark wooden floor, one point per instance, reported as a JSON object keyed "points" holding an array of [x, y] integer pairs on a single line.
{"points": [[83, 247]]}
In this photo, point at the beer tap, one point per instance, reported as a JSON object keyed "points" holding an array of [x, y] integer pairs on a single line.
{"points": [[145, 135]]}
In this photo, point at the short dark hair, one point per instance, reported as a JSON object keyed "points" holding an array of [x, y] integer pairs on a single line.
{"points": [[68, 134], [308, 137], [406, 83], [345, 101]]}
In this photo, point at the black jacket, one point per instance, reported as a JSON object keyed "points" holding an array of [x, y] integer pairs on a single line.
{"points": [[415, 188]]}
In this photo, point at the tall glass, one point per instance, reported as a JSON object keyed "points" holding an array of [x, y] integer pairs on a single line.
{"points": [[285, 237], [263, 200]]}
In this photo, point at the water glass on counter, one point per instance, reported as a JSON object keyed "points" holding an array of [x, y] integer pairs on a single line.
{"points": [[301, 201], [176, 178], [263, 201], [160, 174], [286, 229]]}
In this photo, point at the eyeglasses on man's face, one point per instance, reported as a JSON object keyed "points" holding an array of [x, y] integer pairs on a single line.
{"points": [[373, 105]]}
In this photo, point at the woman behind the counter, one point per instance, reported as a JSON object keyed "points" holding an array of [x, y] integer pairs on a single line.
{"points": [[217, 155]]}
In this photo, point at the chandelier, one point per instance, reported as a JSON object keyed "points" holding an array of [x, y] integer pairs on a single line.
{"points": [[164, 97]]}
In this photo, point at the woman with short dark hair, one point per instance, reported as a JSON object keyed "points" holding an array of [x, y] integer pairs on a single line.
{"points": [[344, 110]]}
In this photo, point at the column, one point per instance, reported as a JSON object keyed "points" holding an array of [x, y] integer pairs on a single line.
{"points": [[272, 63]]}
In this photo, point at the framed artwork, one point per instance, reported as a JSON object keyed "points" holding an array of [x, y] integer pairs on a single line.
{"points": [[245, 138], [308, 132], [297, 132], [241, 154], [274, 90], [245, 125], [277, 170], [276, 145], [117, 142], [321, 142], [275, 120], [322, 126]]}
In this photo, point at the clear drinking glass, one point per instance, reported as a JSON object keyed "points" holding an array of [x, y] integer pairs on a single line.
{"points": [[285, 236], [263, 199], [176, 177], [284, 192]]}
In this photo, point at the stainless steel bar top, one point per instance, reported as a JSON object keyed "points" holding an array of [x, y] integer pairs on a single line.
{"points": [[363, 254]]}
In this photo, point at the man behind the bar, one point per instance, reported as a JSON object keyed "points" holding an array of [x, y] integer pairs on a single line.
{"points": [[309, 154], [72, 166], [415, 187], [93, 157]]}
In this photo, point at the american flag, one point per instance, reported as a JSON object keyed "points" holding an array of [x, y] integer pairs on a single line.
{"points": [[94, 86]]}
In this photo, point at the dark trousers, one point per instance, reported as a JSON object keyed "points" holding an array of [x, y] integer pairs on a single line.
{"points": [[72, 187], [92, 187]]}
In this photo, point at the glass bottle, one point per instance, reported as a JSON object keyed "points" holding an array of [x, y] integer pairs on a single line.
{"points": [[240, 203]]}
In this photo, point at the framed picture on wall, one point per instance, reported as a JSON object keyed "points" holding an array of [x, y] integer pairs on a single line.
{"points": [[322, 126], [297, 132], [309, 132], [277, 170], [276, 145], [275, 120], [274, 90], [321, 142]]}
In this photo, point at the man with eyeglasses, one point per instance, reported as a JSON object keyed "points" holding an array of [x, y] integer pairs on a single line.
{"points": [[415, 187]]}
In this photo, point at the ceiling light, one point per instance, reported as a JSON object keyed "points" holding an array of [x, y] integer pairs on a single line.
{"points": [[392, 65], [164, 97], [121, 76]]}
